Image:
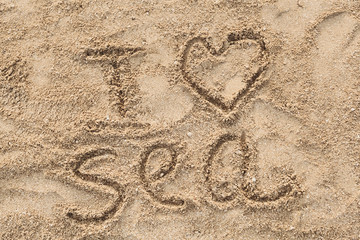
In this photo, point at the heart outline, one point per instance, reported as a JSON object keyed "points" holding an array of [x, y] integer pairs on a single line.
{"points": [[208, 93]]}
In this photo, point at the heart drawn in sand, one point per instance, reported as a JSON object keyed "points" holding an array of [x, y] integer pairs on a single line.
{"points": [[226, 75]]}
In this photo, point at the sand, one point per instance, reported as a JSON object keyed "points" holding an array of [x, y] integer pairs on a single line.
{"points": [[191, 119]]}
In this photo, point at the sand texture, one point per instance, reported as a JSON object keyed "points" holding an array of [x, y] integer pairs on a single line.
{"points": [[180, 119]]}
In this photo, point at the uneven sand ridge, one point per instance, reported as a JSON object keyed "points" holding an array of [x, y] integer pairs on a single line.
{"points": [[193, 119]]}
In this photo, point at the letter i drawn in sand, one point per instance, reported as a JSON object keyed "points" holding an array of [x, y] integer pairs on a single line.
{"points": [[118, 73]]}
